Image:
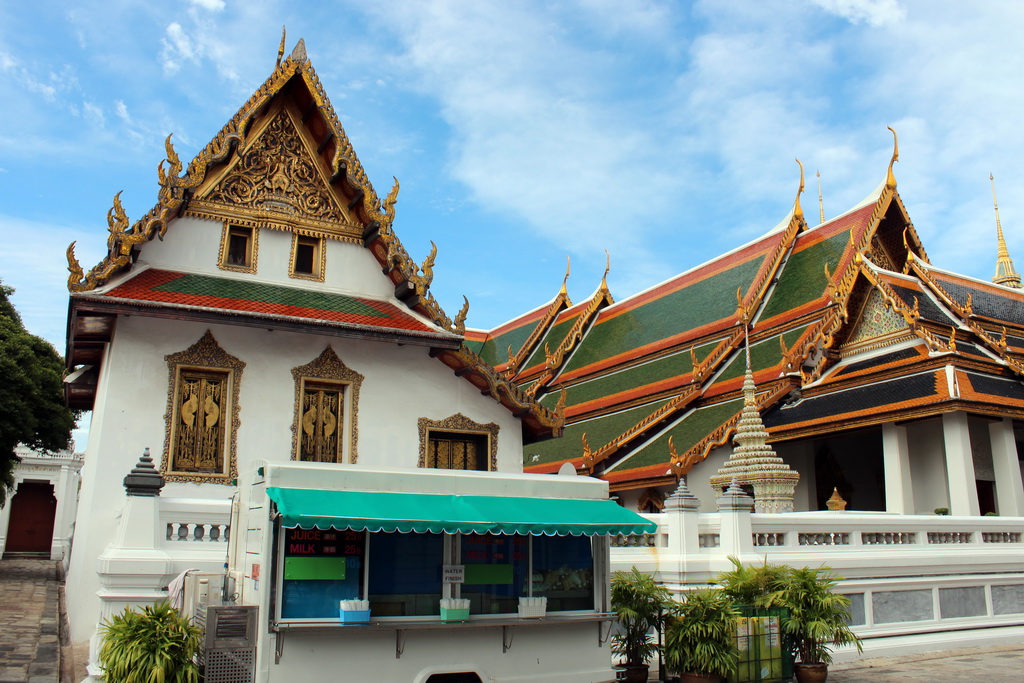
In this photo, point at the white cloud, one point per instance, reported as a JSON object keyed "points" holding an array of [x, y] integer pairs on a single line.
{"points": [[121, 109], [873, 12], [93, 114], [210, 5]]}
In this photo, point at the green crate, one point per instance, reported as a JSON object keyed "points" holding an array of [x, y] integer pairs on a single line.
{"points": [[766, 653]]}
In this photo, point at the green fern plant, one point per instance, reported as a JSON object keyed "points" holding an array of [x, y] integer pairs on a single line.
{"points": [[156, 645], [639, 603], [700, 634]]}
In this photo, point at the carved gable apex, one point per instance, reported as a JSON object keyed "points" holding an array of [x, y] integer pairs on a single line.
{"points": [[277, 180], [877, 325]]}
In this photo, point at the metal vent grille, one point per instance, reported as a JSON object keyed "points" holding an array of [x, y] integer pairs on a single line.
{"points": [[229, 655], [230, 627], [230, 666]]}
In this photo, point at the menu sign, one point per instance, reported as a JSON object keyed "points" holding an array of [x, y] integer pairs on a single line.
{"points": [[317, 554]]}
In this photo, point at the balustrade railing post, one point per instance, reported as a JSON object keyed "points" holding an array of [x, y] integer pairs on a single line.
{"points": [[737, 531], [681, 521]]}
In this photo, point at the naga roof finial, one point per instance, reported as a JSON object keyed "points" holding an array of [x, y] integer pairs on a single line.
{"points": [[1006, 274], [607, 269], [798, 211], [821, 203], [890, 178], [280, 50], [565, 280]]}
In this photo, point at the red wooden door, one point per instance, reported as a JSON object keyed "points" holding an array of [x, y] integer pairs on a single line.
{"points": [[33, 509]]}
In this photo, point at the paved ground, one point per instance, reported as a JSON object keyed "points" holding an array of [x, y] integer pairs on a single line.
{"points": [[29, 622], [998, 664]]}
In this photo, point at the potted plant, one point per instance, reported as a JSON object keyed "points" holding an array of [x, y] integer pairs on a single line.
{"points": [[156, 644], [754, 585], [818, 620], [700, 636], [639, 603]]}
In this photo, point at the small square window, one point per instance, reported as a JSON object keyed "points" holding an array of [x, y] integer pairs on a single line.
{"points": [[458, 451], [307, 257], [238, 248]]}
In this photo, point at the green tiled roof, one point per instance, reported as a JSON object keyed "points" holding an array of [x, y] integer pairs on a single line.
{"points": [[553, 337], [204, 285], [763, 354], [704, 301], [599, 432], [803, 276], [495, 349], [637, 376], [685, 435]]}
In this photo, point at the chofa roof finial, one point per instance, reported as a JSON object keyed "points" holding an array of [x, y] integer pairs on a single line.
{"points": [[890, 178], [280, 50], [798, 211]]}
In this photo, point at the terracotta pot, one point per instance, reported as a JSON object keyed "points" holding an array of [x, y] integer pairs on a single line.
{"points": [[699, 678], [811, 673], [636, 674]]}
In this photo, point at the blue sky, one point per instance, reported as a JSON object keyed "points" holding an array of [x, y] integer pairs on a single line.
{"points": [[664, 132]]}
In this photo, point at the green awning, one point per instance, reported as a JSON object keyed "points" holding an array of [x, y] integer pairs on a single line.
{"points": [[453, 514]]}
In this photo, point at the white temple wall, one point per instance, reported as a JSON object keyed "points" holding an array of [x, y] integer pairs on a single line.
{"points": [[928, 465], [400, 385], [196, 248], [698, 478]]}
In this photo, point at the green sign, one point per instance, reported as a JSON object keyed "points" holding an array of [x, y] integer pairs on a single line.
{"points": [[314, 568], [488, 574]]}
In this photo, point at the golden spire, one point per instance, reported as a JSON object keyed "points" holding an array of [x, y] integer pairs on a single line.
{"points": [[821, 204], [607, 269], [798, 211], [1006, 274]]}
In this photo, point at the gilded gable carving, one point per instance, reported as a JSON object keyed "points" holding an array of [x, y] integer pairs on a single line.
{"points": [[276, 174]]}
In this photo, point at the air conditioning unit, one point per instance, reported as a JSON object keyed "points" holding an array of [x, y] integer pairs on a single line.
{"points": [[204, 589], [229, 648]]}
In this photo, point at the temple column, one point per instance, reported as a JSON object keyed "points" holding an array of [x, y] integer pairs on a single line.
{"points": [[1009, 489], [899, 490], [963, 492]]}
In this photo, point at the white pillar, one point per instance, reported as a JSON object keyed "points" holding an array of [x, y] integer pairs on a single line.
{"points": [[963, 492], [1009, 489], [899, 491]]}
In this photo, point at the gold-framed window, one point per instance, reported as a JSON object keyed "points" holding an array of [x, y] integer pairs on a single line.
{"points": [[238, 248], [458, 443], [326, 402], [308, 257], [202, 414]]}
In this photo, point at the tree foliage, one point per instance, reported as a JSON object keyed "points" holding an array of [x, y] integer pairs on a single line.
{"points": [[32, 410]]}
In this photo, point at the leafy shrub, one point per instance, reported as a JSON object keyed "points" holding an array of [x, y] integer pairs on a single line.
{"points": [[156, 645]]}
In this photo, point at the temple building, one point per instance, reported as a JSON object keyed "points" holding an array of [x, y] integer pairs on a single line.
{"points": [[292, 441], [878, 374]]}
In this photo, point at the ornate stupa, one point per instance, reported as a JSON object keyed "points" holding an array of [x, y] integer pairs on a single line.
{"points": [[1006, 274], [753, 462]]}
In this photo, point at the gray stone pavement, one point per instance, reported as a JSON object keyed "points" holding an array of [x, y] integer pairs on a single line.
{"points": [[996, 664], [29, 621]]}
